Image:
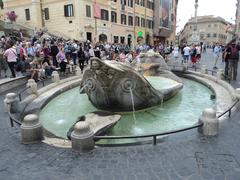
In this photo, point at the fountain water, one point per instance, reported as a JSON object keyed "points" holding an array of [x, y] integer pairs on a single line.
{"points": [[174, 115], [133, 108]]}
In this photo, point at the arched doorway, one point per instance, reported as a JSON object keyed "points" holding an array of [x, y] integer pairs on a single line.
{"points": [[103, 38]]}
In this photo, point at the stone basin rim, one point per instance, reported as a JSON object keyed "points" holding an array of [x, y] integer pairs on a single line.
{"points": [[60, 142]]}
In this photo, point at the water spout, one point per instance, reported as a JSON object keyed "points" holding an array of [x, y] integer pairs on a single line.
{"points": [[162, 103], [82, 88], [133, 107]]}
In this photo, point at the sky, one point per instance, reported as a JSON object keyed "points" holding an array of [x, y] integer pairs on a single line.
{"points": [[223, 8]]}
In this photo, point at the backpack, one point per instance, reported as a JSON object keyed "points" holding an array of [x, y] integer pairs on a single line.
{"points": [[71, 48], [234, 52]]}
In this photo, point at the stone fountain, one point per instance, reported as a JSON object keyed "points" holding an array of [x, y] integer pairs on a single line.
{"points": [[110, 84]]}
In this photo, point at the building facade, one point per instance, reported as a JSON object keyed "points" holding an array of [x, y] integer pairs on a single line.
{"points": [[165, 21], [237, 22], [209, 30], [1, 10], [119, 21]]}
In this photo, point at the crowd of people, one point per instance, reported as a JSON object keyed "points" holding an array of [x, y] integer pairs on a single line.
{"points": [[43, 54]]}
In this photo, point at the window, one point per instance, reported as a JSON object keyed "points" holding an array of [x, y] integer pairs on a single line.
{"points": [[122, 39], [115, 39], [150, 5], [130, 3], [123, 19], [172, 17], [142, 22], [68, 10], [104, 14], [208, 35], [124, 2], [113, 16], [88, 10], [214, 35], [137, 1], [209, 25], [137, 21], [149, 24], [27, 14], [130, 20], [142, 3], [46, 13]]}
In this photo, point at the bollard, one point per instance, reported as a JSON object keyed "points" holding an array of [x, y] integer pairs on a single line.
{"points": [[237, 93], [210, 122], [185, 67], [220, 74], [78, 71], [11, 103], [82, 137], [31, 129], [204, 69], [32, 86], [70, 68], [55, 77]]}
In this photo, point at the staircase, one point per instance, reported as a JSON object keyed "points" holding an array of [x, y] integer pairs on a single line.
{"points": [[7, 27]]}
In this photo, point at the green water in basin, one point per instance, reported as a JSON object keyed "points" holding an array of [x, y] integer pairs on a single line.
{"points": [[183, 110]]}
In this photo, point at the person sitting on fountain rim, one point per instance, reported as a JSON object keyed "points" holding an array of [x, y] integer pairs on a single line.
{"points": [[61, 58], [34, 69]]}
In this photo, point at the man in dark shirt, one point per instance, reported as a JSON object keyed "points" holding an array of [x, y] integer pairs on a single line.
{"points": [[54, 52], [232, 57]]}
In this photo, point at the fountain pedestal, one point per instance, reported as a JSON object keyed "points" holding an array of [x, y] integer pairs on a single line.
{"points": [[210, 122], [31, 129], [82, 137]]}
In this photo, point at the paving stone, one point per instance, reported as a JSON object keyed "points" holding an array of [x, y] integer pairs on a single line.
{"points": [[195, 177]]}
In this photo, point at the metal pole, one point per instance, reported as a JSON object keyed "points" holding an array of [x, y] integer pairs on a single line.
{"points": [[154, 140], [20, 97], [230, 112], [11, 121]]}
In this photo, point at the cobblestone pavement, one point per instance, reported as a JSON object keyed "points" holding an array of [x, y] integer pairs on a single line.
{"points": [[187, 156]]}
